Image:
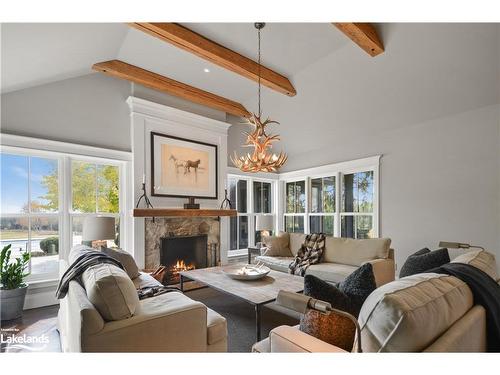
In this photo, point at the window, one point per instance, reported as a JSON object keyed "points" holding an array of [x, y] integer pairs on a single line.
{"points": [[251, 197], [239, 224], [338, 200], [295, 206], [262, 199], [357, 205], [46, 195], [30, 217], [322, 219], [94, 191]]}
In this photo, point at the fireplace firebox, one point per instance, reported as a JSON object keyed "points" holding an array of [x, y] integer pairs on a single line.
{"points": [[182, 253]]}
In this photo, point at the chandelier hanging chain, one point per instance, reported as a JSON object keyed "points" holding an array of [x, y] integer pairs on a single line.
{"points": [[260, 112], [261, 159]]}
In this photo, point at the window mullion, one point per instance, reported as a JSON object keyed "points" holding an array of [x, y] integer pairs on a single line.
{"points": [[307, 208], [30, 234], [96, 189], [338, 204], [66, 195], [29, 186], [250, 211], [238, 232]]}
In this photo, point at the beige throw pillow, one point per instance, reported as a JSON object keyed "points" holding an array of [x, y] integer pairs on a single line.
{"points": [[355, 252], [296, 242], [111, 291], [481, 259], [277, 246], [125, 259]]}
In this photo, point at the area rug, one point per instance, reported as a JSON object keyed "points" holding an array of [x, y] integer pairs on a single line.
{"points": [[240, 317]]}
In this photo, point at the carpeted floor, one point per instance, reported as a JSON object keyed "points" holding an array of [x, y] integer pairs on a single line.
{"points": [[240, 317]]}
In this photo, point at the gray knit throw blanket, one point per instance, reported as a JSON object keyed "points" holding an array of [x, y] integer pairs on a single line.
{"points": [[309, 253]]}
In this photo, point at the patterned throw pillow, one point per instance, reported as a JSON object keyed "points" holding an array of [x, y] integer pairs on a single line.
{"points": [[348, 296], [424, 260]]}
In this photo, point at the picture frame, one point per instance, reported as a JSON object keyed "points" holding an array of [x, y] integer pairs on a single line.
{"points": [[183, 168]]}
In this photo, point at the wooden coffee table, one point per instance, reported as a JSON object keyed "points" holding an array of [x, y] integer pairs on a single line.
{"points": [[256, 292]]}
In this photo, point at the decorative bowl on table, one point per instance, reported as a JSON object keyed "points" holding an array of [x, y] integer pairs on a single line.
{"points": [[247, 272]]}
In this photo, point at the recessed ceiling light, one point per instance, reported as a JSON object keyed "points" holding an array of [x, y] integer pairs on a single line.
{"points": [[206, 70]]}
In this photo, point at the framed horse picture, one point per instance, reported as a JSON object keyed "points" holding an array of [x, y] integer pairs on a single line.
{"points": [[183, 167]]}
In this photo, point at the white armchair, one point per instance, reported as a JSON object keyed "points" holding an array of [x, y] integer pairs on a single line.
{"points": [[286, 339]]}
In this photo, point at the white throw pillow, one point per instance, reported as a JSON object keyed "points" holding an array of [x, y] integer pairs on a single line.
{"points": [[111, 291]]}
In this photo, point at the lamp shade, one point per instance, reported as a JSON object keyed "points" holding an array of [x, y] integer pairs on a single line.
{"points": [[98, 228], [264, 222]]}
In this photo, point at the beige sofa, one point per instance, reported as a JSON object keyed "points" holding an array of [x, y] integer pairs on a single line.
{"points": [[421, 313], [171, 322], [341, 257]]}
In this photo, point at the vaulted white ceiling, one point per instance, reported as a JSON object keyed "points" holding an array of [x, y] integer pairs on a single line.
{"points": [[34, 54], [37, 53]]}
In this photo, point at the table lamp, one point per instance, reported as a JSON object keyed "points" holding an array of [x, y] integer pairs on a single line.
{"points": [[264, 224], [98, 228]]}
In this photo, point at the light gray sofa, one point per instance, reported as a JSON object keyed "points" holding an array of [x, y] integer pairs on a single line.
{"points": [[341, 257], [426, 312], [170, 322]]}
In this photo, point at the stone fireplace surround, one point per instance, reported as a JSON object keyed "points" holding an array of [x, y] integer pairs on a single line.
{"points": [[179, 226]]}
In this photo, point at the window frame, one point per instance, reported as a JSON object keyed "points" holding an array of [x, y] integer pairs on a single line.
{"points": [[65, 152], [251, 214], [296, 214], [323, 214], [373, 214], [29, 215], [74, 214], [337, 170]]}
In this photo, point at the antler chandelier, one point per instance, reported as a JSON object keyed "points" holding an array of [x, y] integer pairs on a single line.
{"points": [[261, 159]]}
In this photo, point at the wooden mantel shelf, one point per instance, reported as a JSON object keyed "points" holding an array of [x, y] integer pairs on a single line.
{"points": [[181, 212]]}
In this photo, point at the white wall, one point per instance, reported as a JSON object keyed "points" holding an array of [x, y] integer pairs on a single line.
{"points": [[88, 110]]}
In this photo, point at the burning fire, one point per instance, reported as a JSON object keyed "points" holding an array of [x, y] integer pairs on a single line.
{"points": [[173, 273], [182, 266]]}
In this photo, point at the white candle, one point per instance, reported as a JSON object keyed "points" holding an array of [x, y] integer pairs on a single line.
{"points": [[143, 178]]}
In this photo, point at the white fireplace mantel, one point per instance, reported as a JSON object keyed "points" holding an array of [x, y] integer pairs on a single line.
{"points": [[147, 116]]}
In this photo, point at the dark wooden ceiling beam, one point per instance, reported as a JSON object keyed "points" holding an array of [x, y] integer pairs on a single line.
{"points": [[132, 73], [364, 35], [209, 50]]}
